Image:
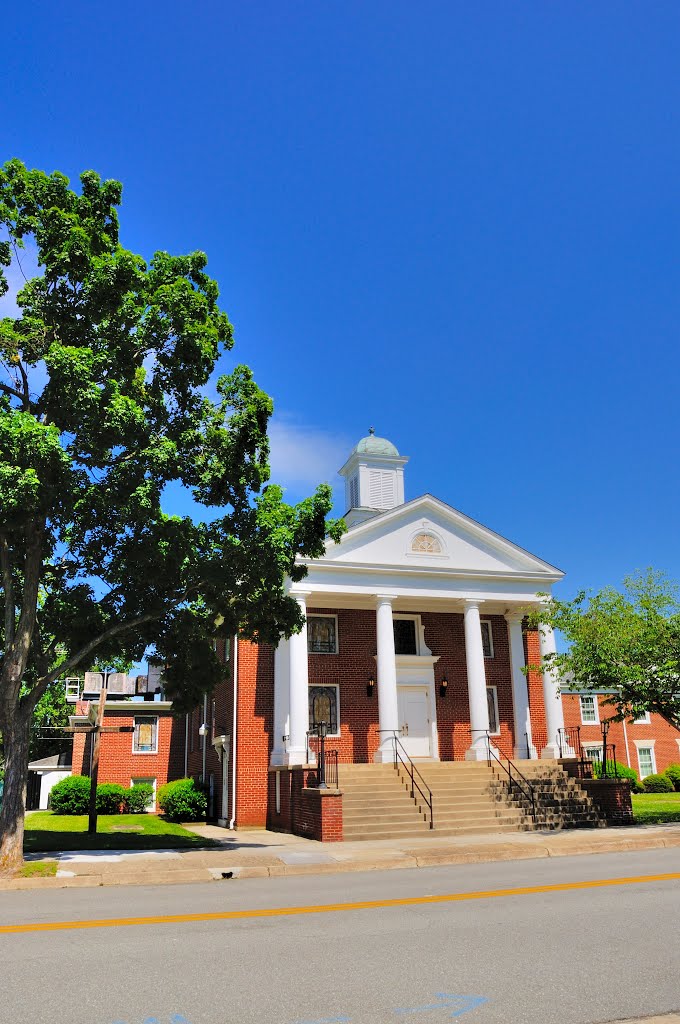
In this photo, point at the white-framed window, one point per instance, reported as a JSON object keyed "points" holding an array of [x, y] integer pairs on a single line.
{"points": [[324, 706], [487, 638], [406, 632], [589, 709], [492, 703], [426, 543], [645, 756], [643, 719], [145, 735], [322, 634], [593, 751], [151, 806]]}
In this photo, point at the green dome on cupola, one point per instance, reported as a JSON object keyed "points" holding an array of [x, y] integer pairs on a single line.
{"points": [[372, 445]]}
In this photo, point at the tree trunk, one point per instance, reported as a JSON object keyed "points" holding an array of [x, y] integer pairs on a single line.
{"points": [[15, 735]]}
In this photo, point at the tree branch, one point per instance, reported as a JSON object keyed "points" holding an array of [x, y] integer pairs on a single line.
{"points": [[12, 391], [8, 587], [89, 648]]}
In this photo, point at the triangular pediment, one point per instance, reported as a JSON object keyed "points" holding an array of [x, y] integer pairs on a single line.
{"points": [[396, 538]]}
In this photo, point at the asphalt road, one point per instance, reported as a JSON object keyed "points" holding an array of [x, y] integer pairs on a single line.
{"points": [[566, 956]]}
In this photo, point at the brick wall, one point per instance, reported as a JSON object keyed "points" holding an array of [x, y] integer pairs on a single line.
{"points": [[117, 761], [312, 813]]}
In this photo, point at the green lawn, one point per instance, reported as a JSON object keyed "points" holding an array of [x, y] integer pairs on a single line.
{"points": [[649, 808], [48, 831]]}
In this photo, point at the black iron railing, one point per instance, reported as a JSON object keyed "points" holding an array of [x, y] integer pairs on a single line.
{"points": [[417, 782], [516, 780], [326, 760], [569, 741]]}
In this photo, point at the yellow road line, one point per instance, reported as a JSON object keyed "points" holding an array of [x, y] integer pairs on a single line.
{"points": [[327, 908]]}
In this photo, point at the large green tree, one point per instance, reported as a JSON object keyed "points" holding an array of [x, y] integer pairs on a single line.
{"points": [[626, 642], [103, 404]]}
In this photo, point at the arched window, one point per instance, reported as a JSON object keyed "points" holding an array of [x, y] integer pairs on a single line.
{"points": [[427, 544]]}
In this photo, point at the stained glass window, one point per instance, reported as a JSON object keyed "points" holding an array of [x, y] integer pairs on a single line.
{"points": [[323, 707], [487, 638], [321, 634], [144, 738]]}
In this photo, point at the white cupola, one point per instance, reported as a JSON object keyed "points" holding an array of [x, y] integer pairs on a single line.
{"points": [[374, 479]]}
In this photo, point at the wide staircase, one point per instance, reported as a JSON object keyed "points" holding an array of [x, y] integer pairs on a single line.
{"points": [[468, 798]]}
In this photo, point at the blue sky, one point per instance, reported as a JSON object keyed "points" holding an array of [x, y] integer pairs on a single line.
{"points": [[455, 222]]}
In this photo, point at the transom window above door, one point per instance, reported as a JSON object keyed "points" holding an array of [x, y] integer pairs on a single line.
{"points": [[322, 634], [405, 636]]}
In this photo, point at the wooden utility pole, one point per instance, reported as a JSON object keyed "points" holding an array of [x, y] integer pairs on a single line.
{"points": [[97, 731]]}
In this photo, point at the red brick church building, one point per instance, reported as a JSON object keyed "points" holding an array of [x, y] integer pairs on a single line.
{"points": [[415, 628]]}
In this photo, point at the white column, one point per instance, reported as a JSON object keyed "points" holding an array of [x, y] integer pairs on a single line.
{"points": [[298, 691], [554, 713], [388, 712], [476, 677], [524, 746], [281, 695]]}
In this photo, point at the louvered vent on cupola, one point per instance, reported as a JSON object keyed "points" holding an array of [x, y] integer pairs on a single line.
{"points": [[381, 489]]}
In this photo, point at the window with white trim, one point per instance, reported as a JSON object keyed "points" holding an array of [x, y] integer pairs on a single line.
{"points": [[145, 735], [151, 806], [427, 544], [492, 704], [646, 761], [589, 710], [322, 634], [487, 638], [643, 719], [593, 751], [324, 706], [405, 634]]}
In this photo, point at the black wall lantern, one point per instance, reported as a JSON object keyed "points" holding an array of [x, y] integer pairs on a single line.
{"points": [[370, 687], [443, 687]]}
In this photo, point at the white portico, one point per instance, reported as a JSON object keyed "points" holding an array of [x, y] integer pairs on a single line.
{"points": [[430, 594]]}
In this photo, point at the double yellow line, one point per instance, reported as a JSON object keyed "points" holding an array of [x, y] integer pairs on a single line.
{"points": [[331, 908]]}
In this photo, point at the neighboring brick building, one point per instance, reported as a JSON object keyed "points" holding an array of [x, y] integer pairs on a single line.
{"points": [[647, 745], [153, 752]]}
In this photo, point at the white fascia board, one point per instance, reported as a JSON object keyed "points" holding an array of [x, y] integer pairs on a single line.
{"points": [[428, 501], [340, 568]]}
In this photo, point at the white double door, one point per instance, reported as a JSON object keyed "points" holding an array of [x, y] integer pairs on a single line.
{"points": [[414, 720]]}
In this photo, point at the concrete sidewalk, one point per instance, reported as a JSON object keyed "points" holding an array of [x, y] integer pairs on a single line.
{"points": [[261, 854]]}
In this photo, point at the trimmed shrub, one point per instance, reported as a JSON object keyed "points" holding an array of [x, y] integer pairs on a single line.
{"points": [[657, 784], [673, 773], [110, 798], [138, 797], [71, 795], [622, 771], [182, 800]]}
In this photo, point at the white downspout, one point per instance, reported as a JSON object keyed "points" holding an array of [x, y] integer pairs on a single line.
{"points": [[186, 746], [625, 737], [232, 820], [205, 735]]}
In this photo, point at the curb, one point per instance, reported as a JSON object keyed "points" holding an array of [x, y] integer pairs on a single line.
{"points": [[408, 859]]}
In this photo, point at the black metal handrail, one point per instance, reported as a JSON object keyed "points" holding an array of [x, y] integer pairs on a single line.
{"points": [[521, 782], [569, 739], [327, 760], [401, 757]]}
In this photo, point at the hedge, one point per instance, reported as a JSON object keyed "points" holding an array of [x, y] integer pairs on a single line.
{"points": [[182, 800], [673, 773], [657, 784], [72, 796]]}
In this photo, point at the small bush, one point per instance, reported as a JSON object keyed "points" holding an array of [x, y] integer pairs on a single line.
{"points": [[110, 798], [657, 784], [138, 797], [673, 773], [622, 771], [71, 795], [182, 800]]}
